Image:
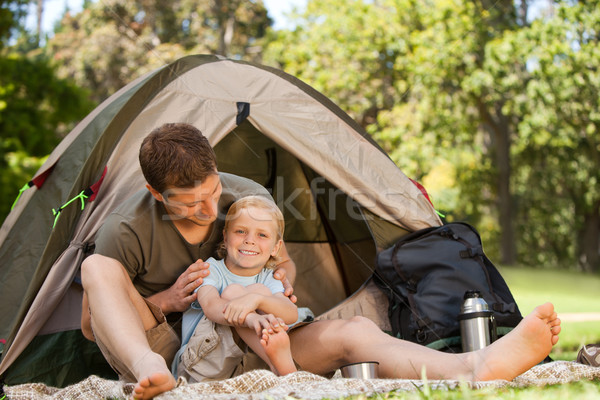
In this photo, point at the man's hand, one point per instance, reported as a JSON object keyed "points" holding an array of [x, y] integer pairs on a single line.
{"points": [[181, 294], [281, 274]]}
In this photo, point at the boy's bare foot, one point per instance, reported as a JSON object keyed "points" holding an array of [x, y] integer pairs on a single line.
{"points": [[155, 378], [525, 346], [277, 347]]}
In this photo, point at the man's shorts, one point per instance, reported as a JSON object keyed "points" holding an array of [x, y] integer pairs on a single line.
{"points": [[162, 339]]}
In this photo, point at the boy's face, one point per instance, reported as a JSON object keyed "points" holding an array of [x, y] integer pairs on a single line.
{"points": [[250, 240], [198, 205]]}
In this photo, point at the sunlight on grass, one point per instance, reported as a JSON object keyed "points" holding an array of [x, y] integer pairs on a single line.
{"points": [[569, 291]]}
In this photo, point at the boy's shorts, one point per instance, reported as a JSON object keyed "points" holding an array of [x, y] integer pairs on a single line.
{"points": [[162, 339], [211, 353]]}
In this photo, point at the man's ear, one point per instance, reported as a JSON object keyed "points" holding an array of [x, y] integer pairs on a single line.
{"points": [[155, 193]]}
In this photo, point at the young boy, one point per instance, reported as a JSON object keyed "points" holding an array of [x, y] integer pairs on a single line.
{"points": [[240, 292]]}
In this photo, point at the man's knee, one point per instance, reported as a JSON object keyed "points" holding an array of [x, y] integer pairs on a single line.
{"points": [[361, 327], [97, 268], [360, 322]]}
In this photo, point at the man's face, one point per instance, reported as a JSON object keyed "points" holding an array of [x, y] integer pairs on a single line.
{"points": [[198, 205]]}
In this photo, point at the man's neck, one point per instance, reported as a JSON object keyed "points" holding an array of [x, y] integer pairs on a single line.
{"points": [[191, 232]]}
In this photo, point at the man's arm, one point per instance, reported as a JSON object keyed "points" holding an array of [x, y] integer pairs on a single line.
{"points": [[286, 273]]}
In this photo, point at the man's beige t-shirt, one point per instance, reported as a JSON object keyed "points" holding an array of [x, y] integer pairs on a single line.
{"points": [[142, 237]]}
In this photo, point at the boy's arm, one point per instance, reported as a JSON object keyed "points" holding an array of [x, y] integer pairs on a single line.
{"points": [[212, 304], [277, 304]]}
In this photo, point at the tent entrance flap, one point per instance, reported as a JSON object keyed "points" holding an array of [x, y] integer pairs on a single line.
{"points": [[322, 220]]}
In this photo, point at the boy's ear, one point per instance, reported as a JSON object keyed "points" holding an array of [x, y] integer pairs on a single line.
{"points": [[154, 193], [276, 248]]}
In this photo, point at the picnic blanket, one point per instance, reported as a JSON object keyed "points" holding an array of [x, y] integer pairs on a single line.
{"points": [[263, 384]]}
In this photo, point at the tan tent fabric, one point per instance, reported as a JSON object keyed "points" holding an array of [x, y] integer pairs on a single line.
{"points": [[305, 130]]}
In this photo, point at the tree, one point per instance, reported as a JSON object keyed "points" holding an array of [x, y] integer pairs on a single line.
{"points": [[353, 51], [558, 153], [36, 108], [404, 70], [11, 13], [110, 43]]}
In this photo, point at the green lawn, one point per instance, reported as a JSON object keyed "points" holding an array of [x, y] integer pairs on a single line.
{"points": [[571, 292]]}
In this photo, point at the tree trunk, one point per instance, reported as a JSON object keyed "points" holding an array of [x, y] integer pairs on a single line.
{"points": [[588, 241], [508, 246], [225, 14], [498, 128], [40, 14]]}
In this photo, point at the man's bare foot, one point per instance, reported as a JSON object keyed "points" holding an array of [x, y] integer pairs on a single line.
{"points": [[277, 347], [155, 378], [153, 385], [525, 346]]}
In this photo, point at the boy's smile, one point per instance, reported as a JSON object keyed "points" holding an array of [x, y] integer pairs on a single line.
{"points": [[250, 240]]}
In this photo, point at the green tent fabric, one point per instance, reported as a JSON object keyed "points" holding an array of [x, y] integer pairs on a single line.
{"points": [[343, 199]]}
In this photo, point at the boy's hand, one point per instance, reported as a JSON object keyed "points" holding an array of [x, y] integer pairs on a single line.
{"points": [[265, 322], [236, 310]]}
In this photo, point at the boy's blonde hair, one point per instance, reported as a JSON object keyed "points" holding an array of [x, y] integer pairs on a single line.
{"points": [[262, 203]]}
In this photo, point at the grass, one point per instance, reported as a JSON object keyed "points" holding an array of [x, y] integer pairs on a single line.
{"points": [[570, 292], [584, 390]]}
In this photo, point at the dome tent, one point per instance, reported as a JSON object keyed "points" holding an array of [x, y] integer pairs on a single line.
{"points": [[342, 197]]}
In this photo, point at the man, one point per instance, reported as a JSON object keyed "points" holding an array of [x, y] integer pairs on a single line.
{"points": [[149, 260]]}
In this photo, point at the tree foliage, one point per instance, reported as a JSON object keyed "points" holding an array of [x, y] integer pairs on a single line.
{"points": [[558, 153], [11, 13], [36, 108], [497, 117], [113, 42]]}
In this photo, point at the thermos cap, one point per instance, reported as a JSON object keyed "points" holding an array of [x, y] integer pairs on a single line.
{"points": [[474, 303], [469, 294]]}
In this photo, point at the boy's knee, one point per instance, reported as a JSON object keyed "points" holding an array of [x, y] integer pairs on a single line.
{"points": [[259, 288], [232, 291]]}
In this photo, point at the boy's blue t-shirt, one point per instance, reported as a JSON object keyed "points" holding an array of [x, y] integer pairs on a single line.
{"points": [[220, 277]]}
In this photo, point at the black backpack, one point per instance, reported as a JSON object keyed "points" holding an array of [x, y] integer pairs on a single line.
{"points": [[425, 276]]}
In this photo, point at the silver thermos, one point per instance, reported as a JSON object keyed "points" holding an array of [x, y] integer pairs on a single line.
{"points": [[477, 323]]}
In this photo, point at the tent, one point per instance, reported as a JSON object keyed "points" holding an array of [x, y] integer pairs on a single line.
{"points": [[343, 199]]}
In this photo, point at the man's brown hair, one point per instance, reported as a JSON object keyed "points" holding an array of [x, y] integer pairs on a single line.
{"points": [[176, 155]]}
